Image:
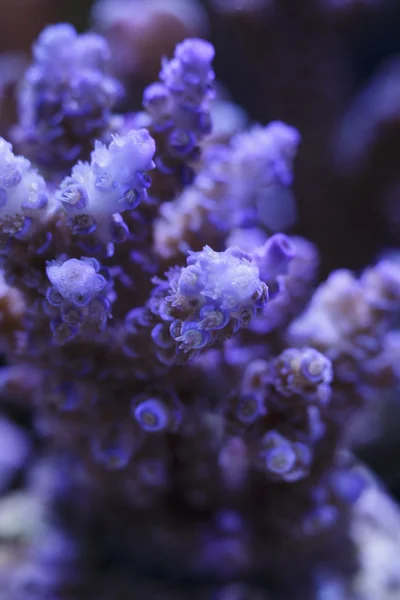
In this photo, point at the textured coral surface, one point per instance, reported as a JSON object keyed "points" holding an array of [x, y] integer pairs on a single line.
{"points": [[183, 391]]}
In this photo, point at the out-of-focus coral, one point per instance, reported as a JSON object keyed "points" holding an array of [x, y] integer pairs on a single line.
{"points": [[191, 388], [313, 60], [65, 97], [351, 321], [296, 284], [371, 120], [227, 119], [243, 185]]}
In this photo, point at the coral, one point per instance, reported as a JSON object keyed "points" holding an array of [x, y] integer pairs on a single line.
{"points": [[115, 181], [66, 97], [351, 321], [245, 184], [193, 388], [178, 107]]}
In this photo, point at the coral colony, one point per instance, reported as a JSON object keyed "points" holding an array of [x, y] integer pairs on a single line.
{"points": [[183, 364]]}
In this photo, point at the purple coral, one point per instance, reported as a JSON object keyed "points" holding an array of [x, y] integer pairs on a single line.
{"points": [[23, 193], [179, 108], [77, 297], [242, 185], [115, 181], [216, 294], [66, 97], [199, 404], [180, 104]]}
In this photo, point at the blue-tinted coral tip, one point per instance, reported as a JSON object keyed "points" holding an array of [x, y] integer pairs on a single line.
{"points": [[161, 336], [115, 181], [347, 485], [283, 459], [63, 332], [320, 519], [75, 195], [54, 297], [179, 107], [35, 201], [24, 197], [279, 460], [273, 259], [316, 367], [250, 408], [192, 336], [119, 232], [156, 99], [66, 97], [195, 51], [75, 277], [113, 448], [181, 142], [152, 415], [213, 319]]}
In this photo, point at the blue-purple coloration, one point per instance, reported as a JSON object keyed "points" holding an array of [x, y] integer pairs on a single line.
{"points": [[24, 198], [216, 294], [238, 187], [179, 105], [176, 348], [66, 97], [77, 297], [178, 109], [115, 181]]}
